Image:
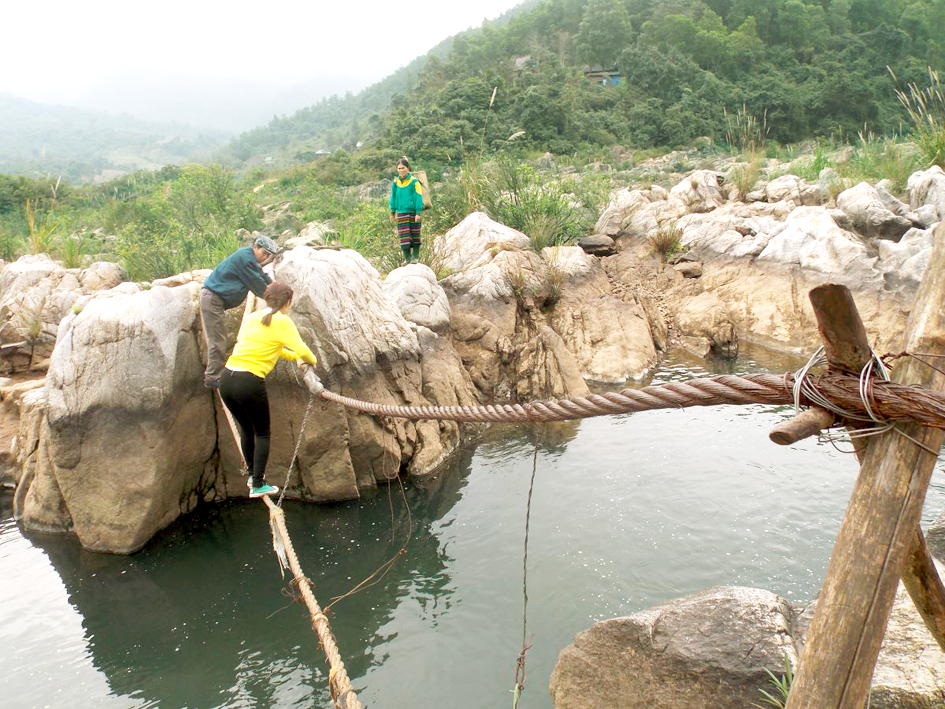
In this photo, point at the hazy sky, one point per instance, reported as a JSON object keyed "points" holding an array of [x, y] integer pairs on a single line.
{"points": [[54, 49]]}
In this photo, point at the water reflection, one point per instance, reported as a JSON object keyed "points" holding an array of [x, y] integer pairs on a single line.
{"points": [[198, 618]]}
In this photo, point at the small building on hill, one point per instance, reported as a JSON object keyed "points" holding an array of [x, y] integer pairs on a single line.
{"points": [[605, 76]]}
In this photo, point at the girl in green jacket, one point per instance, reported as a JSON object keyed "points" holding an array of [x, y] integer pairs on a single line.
{"points": [[406, 205]]}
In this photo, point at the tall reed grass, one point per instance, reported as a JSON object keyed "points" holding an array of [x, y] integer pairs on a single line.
{"points": [[926, 109]]}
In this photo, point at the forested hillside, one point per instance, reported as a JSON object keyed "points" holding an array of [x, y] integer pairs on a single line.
{"points": [[802, 68], [41, 139]]}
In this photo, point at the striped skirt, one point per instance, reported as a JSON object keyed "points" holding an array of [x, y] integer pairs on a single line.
{"points": [[408, 230]]}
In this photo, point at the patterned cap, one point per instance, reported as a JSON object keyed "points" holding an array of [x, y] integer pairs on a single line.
{"points": [[267, 244]]}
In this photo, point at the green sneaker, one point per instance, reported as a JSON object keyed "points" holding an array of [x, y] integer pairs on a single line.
{"points": [[264, 490]]}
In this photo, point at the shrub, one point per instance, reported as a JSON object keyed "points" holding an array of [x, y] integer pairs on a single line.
{"points": [[745, 177], [515, 195], [666, 241]]}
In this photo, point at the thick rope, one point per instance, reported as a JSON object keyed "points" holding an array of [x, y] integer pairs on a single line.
{"points": [[888, 401], [342, 692]]}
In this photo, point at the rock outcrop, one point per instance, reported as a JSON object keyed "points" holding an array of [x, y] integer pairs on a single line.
{"points": [[36, 293], [713, 649], [496, 291], [124, 438], [761, 258], [530, 326], [609, 337]]}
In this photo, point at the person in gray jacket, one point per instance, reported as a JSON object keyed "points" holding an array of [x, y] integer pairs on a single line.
{"points": [[226, 288]]}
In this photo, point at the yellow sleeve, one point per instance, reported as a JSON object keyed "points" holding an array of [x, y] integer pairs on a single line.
{"points": [[292, 341]]}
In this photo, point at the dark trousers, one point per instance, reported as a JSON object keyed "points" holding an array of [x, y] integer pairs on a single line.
{"points": [[245, 396]]}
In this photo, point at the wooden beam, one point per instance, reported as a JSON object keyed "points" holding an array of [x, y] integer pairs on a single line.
{"points": [[919, 575], [879, 527], [925, 587], [808, 423]]}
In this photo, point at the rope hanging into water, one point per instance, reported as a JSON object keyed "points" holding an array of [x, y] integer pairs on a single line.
{"points": [[342, 693], [882, 401]]}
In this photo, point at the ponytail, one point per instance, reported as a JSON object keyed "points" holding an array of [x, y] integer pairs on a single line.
{"points": [[277, 294]]}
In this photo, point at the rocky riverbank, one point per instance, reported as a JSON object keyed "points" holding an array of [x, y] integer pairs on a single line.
{"points": [[121, 438], [504, 324]]}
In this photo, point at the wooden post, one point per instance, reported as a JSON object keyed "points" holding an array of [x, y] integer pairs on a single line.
{"points": [[879, 526]]}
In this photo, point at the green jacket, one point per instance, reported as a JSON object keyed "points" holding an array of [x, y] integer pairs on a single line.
{"points": [[406, 195]]}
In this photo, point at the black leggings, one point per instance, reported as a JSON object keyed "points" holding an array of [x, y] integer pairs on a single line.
{"points": [[245, 396]]}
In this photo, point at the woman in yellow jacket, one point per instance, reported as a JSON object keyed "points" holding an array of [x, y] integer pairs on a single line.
{"points": [[266, 336]]}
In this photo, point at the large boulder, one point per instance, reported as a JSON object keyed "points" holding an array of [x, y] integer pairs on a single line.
{"points": [[496, 291], [620, 208], [131, 435], [125, 438], [418, 296], [811, 240], [609, 337], [715, 649], [36, 293], [790, 188], [700, 192], [366, 349], [312, 234], [927, 189], [870, 214], [710, 649], [903, 263]]}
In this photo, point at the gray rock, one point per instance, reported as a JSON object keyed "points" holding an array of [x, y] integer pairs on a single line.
{"points": [[928, 188], [894, 205], [689, 269], [101, 275], [826, 180], [598, 245], [610, 338], [755, 196], [927, 216], [701, 191], [705, 316], [418, 296], [710, 649], [936, 537], [313, 234], [793, 189], [870, 215], [125, 423], [496, 290]]}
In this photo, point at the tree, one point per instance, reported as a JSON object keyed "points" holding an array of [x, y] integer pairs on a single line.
{"points": [[605, 31]]}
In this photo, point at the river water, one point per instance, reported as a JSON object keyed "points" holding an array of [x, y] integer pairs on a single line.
{"points": [[627, 511]]}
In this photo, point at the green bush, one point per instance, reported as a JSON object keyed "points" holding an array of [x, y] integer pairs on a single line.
{"points": [[517, 196]]}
